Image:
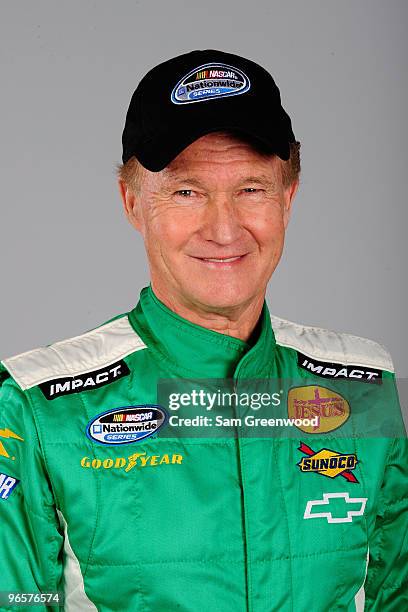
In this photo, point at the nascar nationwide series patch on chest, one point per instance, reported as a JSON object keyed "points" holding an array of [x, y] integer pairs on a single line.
{"points": [[210, 81], [126, 424]]}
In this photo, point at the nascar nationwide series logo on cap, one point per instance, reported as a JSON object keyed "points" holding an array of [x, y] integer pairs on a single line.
{"points": [[126, 424], [328, 463], [210, 81], [331, 408]]}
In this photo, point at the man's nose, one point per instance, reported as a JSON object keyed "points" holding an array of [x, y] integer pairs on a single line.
{"points": [[221, 221]]}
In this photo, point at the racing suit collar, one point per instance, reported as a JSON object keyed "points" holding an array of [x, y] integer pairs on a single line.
{"points": [[191, 350]]}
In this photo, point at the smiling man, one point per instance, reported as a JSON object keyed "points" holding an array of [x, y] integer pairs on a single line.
{"points": [[103, 497], [213, 223]]}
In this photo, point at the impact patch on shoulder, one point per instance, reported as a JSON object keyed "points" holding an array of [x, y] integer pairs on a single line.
{"points": [[327, 349], [76, 356]]}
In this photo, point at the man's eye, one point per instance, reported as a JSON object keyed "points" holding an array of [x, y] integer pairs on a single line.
{"points": [[185, 193], [251, 190]]}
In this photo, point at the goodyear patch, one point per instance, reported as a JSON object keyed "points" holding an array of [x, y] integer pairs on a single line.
{"points": [[7, 485], [210, 81], [126, 424], [328, 463], [331, 408], [138, 460]]}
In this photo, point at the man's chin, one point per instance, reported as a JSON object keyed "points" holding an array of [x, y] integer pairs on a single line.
{"points": [[218, 299]]}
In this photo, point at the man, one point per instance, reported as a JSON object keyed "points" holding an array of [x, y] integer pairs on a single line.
{"points": [[108, 492]]}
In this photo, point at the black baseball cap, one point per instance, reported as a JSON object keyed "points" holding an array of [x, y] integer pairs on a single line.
{"points": [[201, 92]]}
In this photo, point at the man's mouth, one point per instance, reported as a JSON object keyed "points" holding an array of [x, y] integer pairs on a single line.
{"points": [[221, 261]]}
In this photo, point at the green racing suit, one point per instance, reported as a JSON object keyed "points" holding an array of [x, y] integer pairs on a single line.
{"points": [[105, 499]]}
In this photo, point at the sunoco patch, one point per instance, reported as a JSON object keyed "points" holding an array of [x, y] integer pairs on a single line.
{"points": [[328, 462], [210, 81], [126, 424]]}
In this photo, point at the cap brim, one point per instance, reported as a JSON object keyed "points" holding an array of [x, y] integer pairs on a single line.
{"points": [[159, 152]]}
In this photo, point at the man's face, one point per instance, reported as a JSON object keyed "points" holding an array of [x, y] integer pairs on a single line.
{"points": [[213, 223]]}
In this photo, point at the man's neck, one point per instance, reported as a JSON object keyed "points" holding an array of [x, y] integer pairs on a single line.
{"points": [[237, 322]]}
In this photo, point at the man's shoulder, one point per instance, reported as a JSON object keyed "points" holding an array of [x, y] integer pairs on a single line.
{"points": [[90, 351], [328, 346]]}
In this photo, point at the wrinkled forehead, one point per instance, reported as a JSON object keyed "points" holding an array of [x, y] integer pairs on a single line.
{"points": [[219, 151], [225, 139]]}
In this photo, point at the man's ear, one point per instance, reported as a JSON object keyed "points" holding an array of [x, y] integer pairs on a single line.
{"points": [[131, 205], [288, 196]]}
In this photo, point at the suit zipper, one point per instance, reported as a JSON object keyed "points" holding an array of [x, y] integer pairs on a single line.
{"points": [[243, 500]]}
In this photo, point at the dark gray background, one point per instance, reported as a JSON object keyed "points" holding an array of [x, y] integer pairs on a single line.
{"points": [[69, 260]]}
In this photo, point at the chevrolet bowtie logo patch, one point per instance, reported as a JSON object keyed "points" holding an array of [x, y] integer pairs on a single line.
{"points": [[328, 463], [328, 506], [7, 433]]}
